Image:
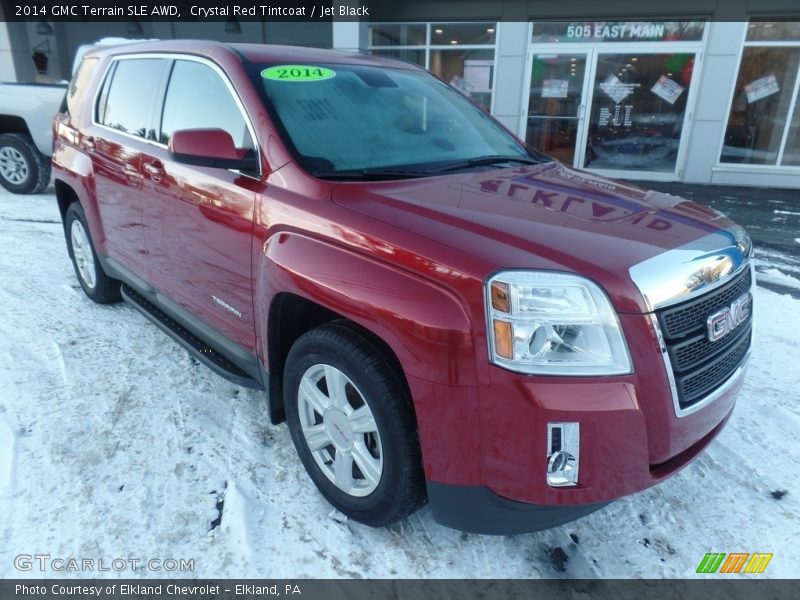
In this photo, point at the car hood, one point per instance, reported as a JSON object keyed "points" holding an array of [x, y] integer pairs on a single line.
{"points": [[544, 217]]}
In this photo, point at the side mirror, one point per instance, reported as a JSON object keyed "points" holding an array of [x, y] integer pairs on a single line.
{"points": [[208, 148]]}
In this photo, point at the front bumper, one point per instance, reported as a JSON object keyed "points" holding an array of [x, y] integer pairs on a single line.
{"points": [[485, 448], [477, 509]]}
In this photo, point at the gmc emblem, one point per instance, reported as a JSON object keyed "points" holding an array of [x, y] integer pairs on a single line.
{"points": [[722, 322]]}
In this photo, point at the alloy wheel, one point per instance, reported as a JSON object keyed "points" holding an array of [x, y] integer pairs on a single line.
{"points": [[13, 166], [340, 430], [82, 251]]}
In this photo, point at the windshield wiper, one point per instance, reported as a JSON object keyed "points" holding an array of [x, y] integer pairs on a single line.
{"points": [[370, 174], [487, 160], [385, 174]]}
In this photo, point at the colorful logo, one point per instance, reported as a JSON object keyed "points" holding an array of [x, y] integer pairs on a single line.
{"points": [[736, 562]]}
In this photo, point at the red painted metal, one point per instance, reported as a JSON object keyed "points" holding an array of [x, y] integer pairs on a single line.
{"points": [[211, 143]]}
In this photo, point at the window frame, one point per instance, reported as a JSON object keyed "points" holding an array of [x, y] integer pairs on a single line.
{"points": [[159, 98], [776, 167]]}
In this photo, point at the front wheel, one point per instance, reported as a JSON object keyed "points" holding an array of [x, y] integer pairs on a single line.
{"points": [[351, 421]]}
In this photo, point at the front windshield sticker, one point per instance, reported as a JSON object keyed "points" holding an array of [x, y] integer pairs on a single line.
{"points": [[297, 73]]}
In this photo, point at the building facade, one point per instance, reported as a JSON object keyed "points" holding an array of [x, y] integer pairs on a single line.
{"points": [[694, 101], [698, 101]]}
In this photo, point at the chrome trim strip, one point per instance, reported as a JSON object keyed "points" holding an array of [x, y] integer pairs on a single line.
{"points": [[693, 269], [662, 348], [728, 383]]}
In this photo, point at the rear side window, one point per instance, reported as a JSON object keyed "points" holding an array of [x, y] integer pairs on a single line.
{"points": [[77, 87], [198, 98], [127, 96]]}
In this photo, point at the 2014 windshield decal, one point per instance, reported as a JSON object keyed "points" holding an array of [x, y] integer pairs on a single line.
{"points": [[297, 73]]}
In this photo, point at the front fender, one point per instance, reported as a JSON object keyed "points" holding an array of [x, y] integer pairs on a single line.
{"points": [[424, 324]]}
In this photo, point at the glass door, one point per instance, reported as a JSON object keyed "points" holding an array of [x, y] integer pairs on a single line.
{"points": [[556, 103], [638, 111]]}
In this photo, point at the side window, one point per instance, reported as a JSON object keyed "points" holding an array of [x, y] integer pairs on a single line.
{"points": [[126, 101], [77, 87], [100, 109], [197, 98]]}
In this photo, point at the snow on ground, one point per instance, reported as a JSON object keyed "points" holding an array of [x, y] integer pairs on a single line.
{"points": [[115, 443], [778, 277], [778, 271]]}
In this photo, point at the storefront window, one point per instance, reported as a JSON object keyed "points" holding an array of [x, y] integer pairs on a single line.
{"points": [[469, 71], [462, 54], [773, 31], [638, 111], [617, 31], [405, 34], [554, 103], [763, 100], [416, 56], [463, 33]]}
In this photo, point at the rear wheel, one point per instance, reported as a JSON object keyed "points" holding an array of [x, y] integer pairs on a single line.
{"points": [[23, 169], [95, 283], [352, 423]]}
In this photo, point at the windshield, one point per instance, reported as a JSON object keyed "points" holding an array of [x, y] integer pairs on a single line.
{"points": [[355, 118]]}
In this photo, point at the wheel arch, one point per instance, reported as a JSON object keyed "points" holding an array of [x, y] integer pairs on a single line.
{"points": [[13, 124], [73, 181], [65, 195], [302, 284]]}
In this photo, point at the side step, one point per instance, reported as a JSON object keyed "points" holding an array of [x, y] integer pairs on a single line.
{"points": [[202, 351]]}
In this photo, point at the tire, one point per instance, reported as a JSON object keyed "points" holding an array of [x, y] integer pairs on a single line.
{"points": [[23, 169], [366, 459], [98, 286]]}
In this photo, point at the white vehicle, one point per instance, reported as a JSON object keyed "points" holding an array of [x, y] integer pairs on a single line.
{"points": [[26, 139], [26, 121]]}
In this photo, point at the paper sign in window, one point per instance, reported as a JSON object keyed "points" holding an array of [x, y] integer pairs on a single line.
{"points": [[555, 88], [615, 89], [667, 89], [761, 88]]}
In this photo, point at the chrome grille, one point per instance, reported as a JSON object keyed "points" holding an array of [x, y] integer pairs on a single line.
{"points": [[700, 366], [681, 320], [704, 380]]}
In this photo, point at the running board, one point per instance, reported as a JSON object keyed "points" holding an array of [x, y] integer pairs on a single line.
{"points": [[199, 349]]}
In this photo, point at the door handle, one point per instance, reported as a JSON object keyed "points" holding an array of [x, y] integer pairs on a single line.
{"points": [[581, 111], [154, 169], [88, 144]]}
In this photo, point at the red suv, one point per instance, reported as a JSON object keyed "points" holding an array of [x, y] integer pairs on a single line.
{"points": [[440, 313]]}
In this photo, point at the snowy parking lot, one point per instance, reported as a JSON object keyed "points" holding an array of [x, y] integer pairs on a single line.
{"points": [[114, 443]]}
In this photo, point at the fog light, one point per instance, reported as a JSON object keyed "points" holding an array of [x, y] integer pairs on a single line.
{"points": [[563, 454]]}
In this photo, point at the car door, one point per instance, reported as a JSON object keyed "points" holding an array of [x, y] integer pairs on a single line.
{"points": [[199, 220], [121, 131]]}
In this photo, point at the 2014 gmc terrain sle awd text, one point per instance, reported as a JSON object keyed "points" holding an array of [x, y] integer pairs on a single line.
{"points": [[440, 313]]}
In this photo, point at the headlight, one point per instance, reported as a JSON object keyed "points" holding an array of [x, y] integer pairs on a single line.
{"points": [[549, 323]]}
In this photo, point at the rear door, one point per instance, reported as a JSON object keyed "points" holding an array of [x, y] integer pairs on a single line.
{"points": [[199, 220], [122, 130]]}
